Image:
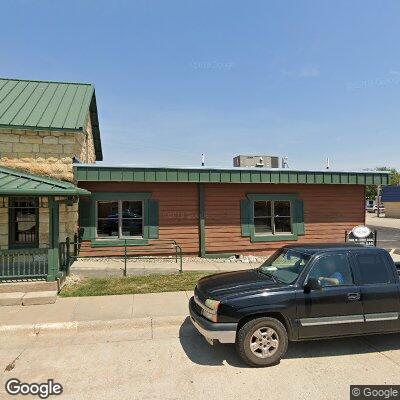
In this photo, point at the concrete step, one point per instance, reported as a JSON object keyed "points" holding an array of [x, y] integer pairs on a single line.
{"points": [[36, 298], [11, 299], [28, 299], [25, 287]]}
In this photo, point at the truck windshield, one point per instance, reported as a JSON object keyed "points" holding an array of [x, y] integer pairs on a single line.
{"points": [[285, 265]]}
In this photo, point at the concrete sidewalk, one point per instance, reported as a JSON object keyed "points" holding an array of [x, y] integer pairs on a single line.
{"points": [[113, 267], [73, 312], [372, 219]]}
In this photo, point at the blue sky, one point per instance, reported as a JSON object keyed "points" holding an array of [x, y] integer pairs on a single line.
{"points": [[174, 79]]}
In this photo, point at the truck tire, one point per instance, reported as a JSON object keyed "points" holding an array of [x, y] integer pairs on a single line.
{"points": [[262, 342]]}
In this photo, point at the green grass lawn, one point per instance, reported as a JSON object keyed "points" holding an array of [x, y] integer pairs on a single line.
{"points": [[133, 284]]}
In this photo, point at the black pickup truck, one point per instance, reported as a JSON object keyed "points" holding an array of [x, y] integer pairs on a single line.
{"points": [[299, 293]]}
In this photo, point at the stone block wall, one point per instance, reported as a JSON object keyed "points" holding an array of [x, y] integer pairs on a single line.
{"points": [[68, 221], [47, 153], [44, 223], [85, 145]]}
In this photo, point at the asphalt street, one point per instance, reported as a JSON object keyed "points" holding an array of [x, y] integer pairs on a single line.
{"points": [[388, 238], [175, 362]]}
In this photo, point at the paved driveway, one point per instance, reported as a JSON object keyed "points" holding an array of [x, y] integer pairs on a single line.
{"points": [[176, 363], [388, 230]]}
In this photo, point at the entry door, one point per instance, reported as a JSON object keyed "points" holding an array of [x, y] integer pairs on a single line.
{"points": [[379, 291], [334, 310], [23, 222]]}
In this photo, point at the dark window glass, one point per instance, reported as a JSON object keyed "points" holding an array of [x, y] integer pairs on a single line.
{"points": [[132, 209], [333, 270], [119, 218], [282, 216], [263, 225], [283, 225], [262, 208], [132, 218], [107, 219], [23, 221], [262, 217], [373, 269], [282, 208], [132, 227], [272, 217]]}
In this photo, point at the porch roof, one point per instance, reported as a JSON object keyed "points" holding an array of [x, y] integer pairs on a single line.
{"points": [[17, 183]]}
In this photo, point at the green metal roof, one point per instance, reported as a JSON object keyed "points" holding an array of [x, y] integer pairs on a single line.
{"points": [[13, 182], [41, 105], [85, 172]]}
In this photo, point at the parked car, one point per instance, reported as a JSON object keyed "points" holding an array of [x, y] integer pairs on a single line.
{"points": [[370, 206], [300, 293], [381, 208]]}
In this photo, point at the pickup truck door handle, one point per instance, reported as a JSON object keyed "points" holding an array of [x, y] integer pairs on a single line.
{"points": [[354, 296]]}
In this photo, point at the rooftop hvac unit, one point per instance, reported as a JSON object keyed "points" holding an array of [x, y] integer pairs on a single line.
{"points": [[256, 161]]}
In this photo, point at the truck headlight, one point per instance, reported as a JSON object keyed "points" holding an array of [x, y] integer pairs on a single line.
{"points": [[211, 305]]}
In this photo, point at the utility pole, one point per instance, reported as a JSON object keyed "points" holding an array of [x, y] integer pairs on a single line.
{"points": [[378, 201]]}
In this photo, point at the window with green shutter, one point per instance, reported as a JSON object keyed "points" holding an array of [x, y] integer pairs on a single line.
{"points": [[112, 219], [272, 217]]}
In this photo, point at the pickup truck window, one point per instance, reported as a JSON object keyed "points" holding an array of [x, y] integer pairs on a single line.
{"points": [[332, 270], [285, 265], [373, 269]]}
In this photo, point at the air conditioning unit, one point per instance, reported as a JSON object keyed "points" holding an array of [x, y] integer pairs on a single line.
{"points": [[253, 161]]}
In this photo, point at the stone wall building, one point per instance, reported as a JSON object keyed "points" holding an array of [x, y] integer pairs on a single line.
{"points": [[44, 128]]}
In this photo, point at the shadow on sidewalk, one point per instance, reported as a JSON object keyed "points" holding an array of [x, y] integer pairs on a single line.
{"points": [[200, 352]]}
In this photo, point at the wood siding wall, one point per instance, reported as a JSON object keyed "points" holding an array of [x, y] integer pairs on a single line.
{"points": [[329, 211], [178, 212]]}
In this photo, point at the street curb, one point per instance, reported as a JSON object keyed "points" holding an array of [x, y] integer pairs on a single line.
{"points": [[87, 326]]}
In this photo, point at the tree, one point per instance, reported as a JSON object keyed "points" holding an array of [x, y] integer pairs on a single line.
{"points": [[371, 190]]}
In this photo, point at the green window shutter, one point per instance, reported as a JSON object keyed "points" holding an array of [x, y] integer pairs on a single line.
{"points": [[245, 217], [152, 219], [298, 217], [87, 225]]}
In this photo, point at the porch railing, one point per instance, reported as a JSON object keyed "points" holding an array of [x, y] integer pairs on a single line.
{"points": [[68, 252], [23, 264]]}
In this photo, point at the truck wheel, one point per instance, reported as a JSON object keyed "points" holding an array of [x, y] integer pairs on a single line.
{"points": [[262, 342]]}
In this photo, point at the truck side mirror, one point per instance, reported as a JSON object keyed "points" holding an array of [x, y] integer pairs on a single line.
{"points": [[312, 284]]}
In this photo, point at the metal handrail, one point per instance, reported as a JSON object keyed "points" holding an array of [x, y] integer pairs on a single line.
{"points": [[178, 253], [154, 247]]}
